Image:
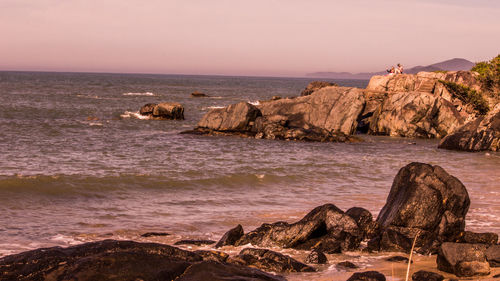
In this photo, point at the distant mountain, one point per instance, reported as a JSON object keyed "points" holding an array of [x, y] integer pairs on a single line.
{"points": [[448, 65]]}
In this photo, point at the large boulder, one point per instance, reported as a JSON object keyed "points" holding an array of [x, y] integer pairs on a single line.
{"points": [[234, 118], [326, 228], [315, 85], [120, 260], [164, 110], [463, 260], [415, 114], [480, 134], [424, 201]]}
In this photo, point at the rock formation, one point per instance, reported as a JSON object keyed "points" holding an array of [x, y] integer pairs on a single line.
{"points": [[121, 260], [426, 201], [480, 134], [315, 85], [269, 261], [165, 110], [463, 260]]}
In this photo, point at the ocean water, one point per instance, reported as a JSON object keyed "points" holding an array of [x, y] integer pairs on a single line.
{"points": [[77, 165]]}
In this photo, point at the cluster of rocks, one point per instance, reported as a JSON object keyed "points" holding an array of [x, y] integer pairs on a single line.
{"points": [[162, 111], [425, 206]]}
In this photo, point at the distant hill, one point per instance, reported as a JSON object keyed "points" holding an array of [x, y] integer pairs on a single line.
{"points": [[448, 65]]}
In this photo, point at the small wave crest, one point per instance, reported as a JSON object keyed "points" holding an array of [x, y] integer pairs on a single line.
{"points": [[139, 94], [136, 114], [212, 107], [254, 102]]}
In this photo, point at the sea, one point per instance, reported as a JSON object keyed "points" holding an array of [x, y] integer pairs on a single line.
{"points": [[79, 164]]}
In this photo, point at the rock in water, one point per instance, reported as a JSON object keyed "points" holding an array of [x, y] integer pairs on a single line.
{"points": [[269, 261], [365, 221], [480, 134], [231, 237], [164, 110], [147, 109], [326, 228], [463, 260], [315, 85], [234, 118], [423, 275], [197, 94], [316, 257], [367, 276], [426, 201], [121, 260]]}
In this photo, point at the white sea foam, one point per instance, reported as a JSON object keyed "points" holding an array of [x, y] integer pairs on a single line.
{"points": [[129, 114], [212, 107], [254, 102], [139, 94], [65, 239]]}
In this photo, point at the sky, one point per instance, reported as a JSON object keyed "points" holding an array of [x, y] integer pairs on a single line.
{"points": [[243, 37]]}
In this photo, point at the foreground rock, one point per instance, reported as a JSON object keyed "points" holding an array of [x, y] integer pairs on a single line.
{"points": [[121, 260], [165, 110], [426, 201], [330, 114], [315, 85], [463, 260], [326, 228], [269, 261], [478, 135], [367, 276], [423, 275]]}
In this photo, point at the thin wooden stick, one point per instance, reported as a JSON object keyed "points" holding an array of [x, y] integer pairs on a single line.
{"points": [[411, 253]]}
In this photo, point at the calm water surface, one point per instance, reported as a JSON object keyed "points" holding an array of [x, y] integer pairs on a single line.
{"points": [[75, 165]]}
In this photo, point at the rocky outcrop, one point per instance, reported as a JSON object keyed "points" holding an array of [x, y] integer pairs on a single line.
{"points": [[231, 236], [315, 85], [269, 261], [326, 228], [415, 114], [120, 260], [463, 260], [426, 201], [330, 114], [478, 135], [165, 110]]}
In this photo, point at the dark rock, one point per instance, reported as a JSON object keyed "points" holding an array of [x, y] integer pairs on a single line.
{"points": [[270, 261], [493, 255], [478, 238], [316, 85], [423, 275], [194, 242], [231, 237], [212, 255], [398, 259], [316, 257], [151, 234], [367, 276], [120, 260], [346, 265], [213, 271], [365, 221], [147, 109], [325, 223], [426, 201], [197, 94], [463, 260], [478, 135], [496, 276]]}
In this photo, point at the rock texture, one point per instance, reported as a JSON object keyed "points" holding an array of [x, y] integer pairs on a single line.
{"points": [[120, 260], [423, 275], [478, 238], [165, 110], [493, 255], [230, 237], [478, 135], [326, 228], [367, 276], [269, 261], [315, 85], [463, 260], [316, 257], [426, 201], [364, 219], [330, 114]]}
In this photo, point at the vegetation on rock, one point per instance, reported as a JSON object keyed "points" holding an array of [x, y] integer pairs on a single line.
{"points": [[489, 74], [468, 96]]}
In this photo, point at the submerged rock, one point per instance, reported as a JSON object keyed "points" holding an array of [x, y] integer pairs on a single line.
{"points": [[119, 260], [165, 110], [463, 260], [367, 276], [316, 85], [212, 255], [423, 275], [326, 228], [426, 201], [346, 265], [316, 257], [197, 94], [478, 135], [152, 234], [398, 259], [194, 242], [269, 261]]}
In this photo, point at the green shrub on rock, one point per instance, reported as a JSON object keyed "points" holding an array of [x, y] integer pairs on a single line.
{"points": [[489, 74], [468, 96]]}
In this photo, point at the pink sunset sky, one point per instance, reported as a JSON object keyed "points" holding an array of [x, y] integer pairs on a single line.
{"points": [[237, 37]]}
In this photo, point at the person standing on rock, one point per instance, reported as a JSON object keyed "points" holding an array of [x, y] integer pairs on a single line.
{"points": [[391, 70], [399, 70]]}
